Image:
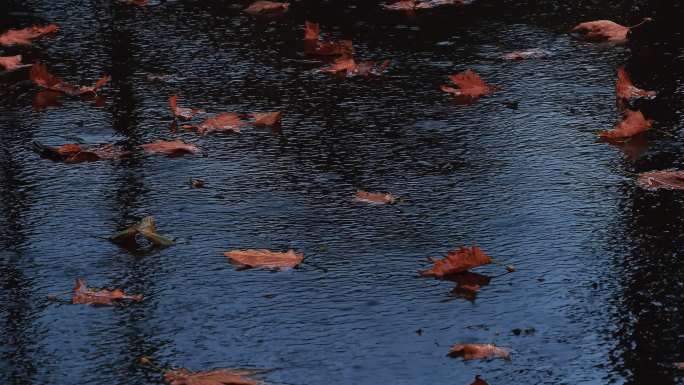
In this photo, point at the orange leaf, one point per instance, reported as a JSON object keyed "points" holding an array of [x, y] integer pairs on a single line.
{"points": [[348, 66], [170, 148], [46, 98], [41, 77], [468, 284], [265, 258], [478, 351], [634, 123], [606, 30], [470, 85], [11, 63], [267, 7], [479, 381], [74, 153], [267, 118], [329, 48], [311, 31], [84, 295], [665, 179], [369, 197], [225, 122], [626, 90], [182, 112], [213, 377], [24, 36], [457, 261]]}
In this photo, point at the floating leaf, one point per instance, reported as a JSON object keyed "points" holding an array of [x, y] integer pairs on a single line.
{"points": [[41, 77], [634, 123], [665, 179], [625, 89], [24, 36], [314, 46], [182, 112], [456, 261], [349, 67], [12, 63], [478, 351], [533, 53], [479, 381], [170, 148], [74, 153], [267, 7], [411, 5], [470, 86], [267, 118], [605, 30], [84, 295], [214, 377], [312, 31], [221, 123], [377, 198], [265, 258], [147, 228]]}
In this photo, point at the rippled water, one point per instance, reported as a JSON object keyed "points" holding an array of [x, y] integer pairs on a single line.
{"points": [[600, 275]]}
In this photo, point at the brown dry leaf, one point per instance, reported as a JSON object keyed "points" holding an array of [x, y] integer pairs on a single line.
{"points": [[605, 30], [41, 77], [478, 351], [213, 377], [456, 261], [625, 89], [46, 98], [11, 63], [265, 258], [347, 66], [267, 118], [225, 122], [182, 112], [171, 148], [634, 123], [329, 48], [74, 153], [377, 198], [479, 381], [267, 7], [665, 179], [533, 53], [470, 86], [311, 31], [24, 36], [147, 228], [84, 295]]}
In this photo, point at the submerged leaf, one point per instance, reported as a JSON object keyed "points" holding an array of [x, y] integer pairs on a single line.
{"points": [[665, 179], [41, 77], [24, 36], [170, 148], [84, 295], [478, 351], [634, 123], [265, 258], [456, 261], [147, 228], [625, 89], [378, 198], [267, 7], [214, 377]]}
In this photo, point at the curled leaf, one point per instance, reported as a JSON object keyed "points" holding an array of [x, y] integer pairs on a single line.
{"points": [[170, 148], [470, 86], [182, 112], [11, 63], [605, 30], [533, 53], [41, 77], [377, 198], [24, 36], [625, 89], [665, 179], [634, 123], [267, 118], [147, 228], [267, 7], [265, 258], [478, 351], [456, 261], [214, 377], [84, 295]]}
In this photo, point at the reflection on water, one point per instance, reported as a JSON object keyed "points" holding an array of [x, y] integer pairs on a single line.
{"points": [[598, 259]]}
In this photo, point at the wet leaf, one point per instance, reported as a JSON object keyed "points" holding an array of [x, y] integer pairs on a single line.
{"points": [[349, 67], [605, 30], [24, 36], [312, 31], [665, 179], [411, 5], [74, 153], [41, 77], [625, 89], [267, 118], [265, 258], [84, 295], [213, 377], [314, 46], [147, 228], [46, 98], [479, 381], [634, 123], [470, 86], [456, 261], [468, 284], [221, 123], [478, 351], [377, 198], [197, 183], [12, 63], [267, 7], [533, 53], [182, 112], [170, 148]]}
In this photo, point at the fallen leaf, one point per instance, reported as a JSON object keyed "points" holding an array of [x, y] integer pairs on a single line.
{"points": [[24, 36], [170, 148], [410, 5], [470, 86], [74, 153], [349, 67], [46, 98], [329, 48], [84, 295], [479, 381], [197, 183], [147, 228], [665, 179], [468, 284], [625, 89], [41, 77], [11, 63], [265, 258], [225, 122], [267, 118], [312, 30], [533, 53], [478, 351], [605, 30], [456, 261], [378, 198], [267, 7], [182, 112], [634, 123], [214, 377]]}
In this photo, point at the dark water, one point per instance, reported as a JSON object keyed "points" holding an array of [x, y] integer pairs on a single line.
{"points": [[600, 265]]}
